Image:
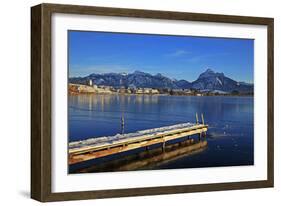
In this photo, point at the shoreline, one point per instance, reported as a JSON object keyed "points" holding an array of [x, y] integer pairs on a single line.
{"points": [[177, 95], [77, 89]]}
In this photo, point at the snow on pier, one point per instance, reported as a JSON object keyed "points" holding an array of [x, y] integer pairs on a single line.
{"points": [[103, 146], [119, 137]]}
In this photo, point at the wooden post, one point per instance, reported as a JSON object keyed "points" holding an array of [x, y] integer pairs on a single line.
{"points": [[163, 146], [203, 122], [122, 124], [202, 117], [196, 118]]}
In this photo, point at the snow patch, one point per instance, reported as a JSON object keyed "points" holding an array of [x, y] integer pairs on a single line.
{"points": [[219, 80]]}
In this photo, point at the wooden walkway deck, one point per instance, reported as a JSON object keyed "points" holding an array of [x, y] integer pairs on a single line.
{"points": [[93, 148]]}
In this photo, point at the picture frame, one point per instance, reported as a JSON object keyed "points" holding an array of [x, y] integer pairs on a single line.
{"points": [[41, 101]]}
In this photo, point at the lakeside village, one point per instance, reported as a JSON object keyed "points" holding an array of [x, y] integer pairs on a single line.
{"points": [[91, 88]]}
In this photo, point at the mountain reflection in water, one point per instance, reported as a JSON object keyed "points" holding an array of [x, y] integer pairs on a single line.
{"points": [[230, 135]]}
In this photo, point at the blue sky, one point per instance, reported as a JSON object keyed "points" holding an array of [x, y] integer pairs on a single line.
{"points": [[179, 57]]}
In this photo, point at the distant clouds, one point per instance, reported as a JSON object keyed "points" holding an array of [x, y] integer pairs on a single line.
{"points": [[178, 53], [206, 57], [188, 56]]}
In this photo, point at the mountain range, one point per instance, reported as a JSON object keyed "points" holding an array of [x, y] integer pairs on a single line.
{"points": [[207, 81]]}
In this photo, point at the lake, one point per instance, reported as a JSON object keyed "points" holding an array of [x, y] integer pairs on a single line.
{"points": [[230, 118]]}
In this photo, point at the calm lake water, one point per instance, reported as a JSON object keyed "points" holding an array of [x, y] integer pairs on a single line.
{"points": [[230, 135]]}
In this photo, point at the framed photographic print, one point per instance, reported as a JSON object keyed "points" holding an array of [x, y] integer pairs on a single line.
{"points": [[130, 102]]}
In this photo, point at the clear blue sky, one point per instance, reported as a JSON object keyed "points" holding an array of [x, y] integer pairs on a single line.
{"points": [[179, 57]]}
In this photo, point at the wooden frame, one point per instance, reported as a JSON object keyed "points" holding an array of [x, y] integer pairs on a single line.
{"points": [[41, 102]]}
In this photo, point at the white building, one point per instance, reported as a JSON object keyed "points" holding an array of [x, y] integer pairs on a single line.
{"points": [[90, 82]]}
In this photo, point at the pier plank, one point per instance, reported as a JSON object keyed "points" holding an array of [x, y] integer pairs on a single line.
{"points": [[80, 151]]}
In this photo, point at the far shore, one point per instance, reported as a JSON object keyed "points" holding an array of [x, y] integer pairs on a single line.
{"points": [[77, 89], [126, 94]]}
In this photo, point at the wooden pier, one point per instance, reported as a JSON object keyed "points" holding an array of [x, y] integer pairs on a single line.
{"points": [[93, 148]]}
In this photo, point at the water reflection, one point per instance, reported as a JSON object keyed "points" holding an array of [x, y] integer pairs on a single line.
{"points": [[146, 159], [231, 121]]}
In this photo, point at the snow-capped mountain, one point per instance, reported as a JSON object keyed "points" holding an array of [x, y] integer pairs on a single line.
{"points": [[207, 81], [210, 80], [135, 79]]}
